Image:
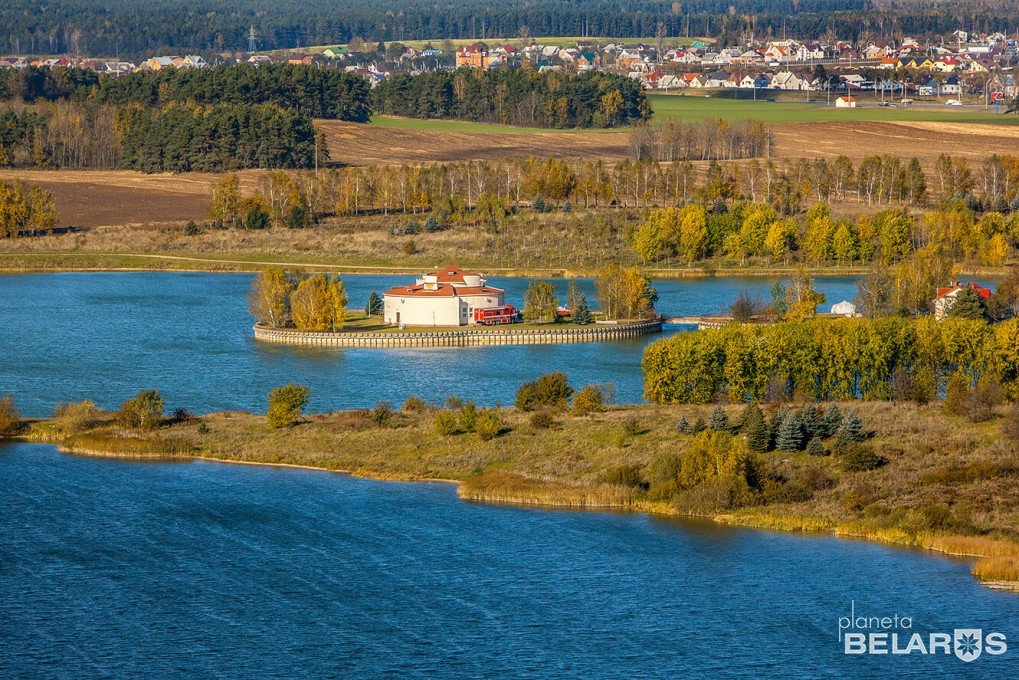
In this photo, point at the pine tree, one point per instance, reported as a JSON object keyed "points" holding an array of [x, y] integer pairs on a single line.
{"points": [[582, 314], [852, 428], [775, 422], [375, 305], [683, 426], [812, 422], [758, 433], [790, 434], [816, 448], [699, 426], [751, 413], [832, 421], [967, 305], [719, 421]]}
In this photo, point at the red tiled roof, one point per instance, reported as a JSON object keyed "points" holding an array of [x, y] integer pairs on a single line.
{"points": [[442, 290], [984, 293], [451, 274]]}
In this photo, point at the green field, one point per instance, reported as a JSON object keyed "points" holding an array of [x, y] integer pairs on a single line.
{"points": [[688, 108]]}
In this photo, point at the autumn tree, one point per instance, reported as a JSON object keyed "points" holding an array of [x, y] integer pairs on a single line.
{"points": [[540, 302], [269, 299], [224, 204]]}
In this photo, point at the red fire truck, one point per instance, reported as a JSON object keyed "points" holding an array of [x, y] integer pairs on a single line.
{"points": [[494, 316]]}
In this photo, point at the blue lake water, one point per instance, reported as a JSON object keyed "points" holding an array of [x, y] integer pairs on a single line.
{"points": [[104, 336], [126, 570]]}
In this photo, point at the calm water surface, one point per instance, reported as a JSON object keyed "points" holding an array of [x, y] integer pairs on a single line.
{"points": [[104, 336], [116, 569]]}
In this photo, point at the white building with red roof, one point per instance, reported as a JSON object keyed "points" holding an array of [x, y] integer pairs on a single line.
{"points": [[447, 297], [948, 294]]}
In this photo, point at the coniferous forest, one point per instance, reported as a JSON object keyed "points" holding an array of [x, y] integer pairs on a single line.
{"points": [[516, 97], [131, 28]]}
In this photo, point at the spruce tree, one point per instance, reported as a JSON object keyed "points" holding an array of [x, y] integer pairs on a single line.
{"points": [[758, 433], [832, 421], [699, 426], [719, 421], [751, 413], [967, 305], [816, 447], [812, 422], [683, 426], [776, 421], [582, 314], [375, 305], [790, 434], [852, 428]]}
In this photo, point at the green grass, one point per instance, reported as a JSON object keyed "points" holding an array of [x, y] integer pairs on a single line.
{"points": [[691, 108], [688, 108]]}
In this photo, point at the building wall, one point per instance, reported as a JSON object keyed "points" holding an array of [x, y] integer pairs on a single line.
{"points": [[424, 311], [436, 311]]}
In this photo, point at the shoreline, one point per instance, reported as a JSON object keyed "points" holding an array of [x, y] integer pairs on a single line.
{"points": [[643, 507]]}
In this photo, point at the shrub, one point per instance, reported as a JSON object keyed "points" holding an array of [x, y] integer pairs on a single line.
{"points": [[75, 417], [549, 391], [624, 475], [956, 394], [488, 425], [588, 400], [144, 411], [447, 424], [181, 416], [10, 419], [410, 248], [860, 458], [414, 405], [663, 467], [632, 426], [984, 397], [286, 404], [382, 414], [542, 420], [1011, 425]]}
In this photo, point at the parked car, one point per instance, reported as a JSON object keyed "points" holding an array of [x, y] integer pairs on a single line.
{"points": [[953, 102], [884, 103]]}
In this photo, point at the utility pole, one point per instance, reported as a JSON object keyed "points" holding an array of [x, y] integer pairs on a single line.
{"points": [[251, 39]]}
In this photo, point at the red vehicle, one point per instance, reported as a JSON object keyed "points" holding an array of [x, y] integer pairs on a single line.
{"points": [[494, 316]]}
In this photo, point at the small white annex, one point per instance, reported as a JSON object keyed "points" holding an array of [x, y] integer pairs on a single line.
{"points": [[442, 298], [844, 308]]}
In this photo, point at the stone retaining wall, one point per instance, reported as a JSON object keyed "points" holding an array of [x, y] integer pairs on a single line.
{"points": [[457, 338]]}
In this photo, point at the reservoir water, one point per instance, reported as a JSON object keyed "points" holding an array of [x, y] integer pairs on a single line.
{"points": [[126, 570], [104, 336]]}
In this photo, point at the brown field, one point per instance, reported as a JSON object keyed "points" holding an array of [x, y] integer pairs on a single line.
{"points": [[120, 197]]}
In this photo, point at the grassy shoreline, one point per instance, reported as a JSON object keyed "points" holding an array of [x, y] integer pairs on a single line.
{"points": [[30, 263], [971, 468]]}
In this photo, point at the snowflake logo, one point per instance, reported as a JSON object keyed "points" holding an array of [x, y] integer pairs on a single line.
{"points": [[968, 644]]}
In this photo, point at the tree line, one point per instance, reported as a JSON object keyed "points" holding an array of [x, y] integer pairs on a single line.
{"points": [[515, 97], [25, 209], [706, 140], [316, 92], [831, 360], [756, 231], [174, 138]]}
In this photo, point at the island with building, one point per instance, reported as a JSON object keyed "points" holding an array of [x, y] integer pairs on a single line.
{"points": [[449, 307]]}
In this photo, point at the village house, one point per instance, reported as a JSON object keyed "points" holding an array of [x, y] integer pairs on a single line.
{"points": [[447, 297], [474, 55], [947, 295]]}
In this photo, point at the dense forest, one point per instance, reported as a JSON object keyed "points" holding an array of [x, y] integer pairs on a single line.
{"points": [[175, 137], [131, 28], [319, 93], [516, 97]]}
